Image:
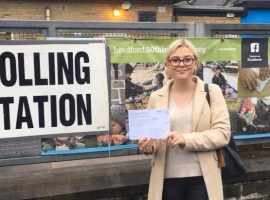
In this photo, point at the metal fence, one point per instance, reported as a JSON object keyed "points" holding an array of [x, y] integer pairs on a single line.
{"points": [[34, 30]]}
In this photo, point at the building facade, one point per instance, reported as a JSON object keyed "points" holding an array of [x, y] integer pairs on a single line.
{"points": [[88, 10]]}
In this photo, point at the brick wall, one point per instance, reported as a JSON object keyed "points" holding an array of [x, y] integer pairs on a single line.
{"points": [[83, 10], [208, 19], [117, 84]]}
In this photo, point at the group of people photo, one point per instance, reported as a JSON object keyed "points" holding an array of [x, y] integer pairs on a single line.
{"points": [[141, 79]]}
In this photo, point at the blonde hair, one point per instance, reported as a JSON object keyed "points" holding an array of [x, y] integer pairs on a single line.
{"points": [[168, 73], [181, 43]]}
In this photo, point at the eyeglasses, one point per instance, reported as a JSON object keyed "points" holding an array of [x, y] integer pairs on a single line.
{"points": [[175, 61]]}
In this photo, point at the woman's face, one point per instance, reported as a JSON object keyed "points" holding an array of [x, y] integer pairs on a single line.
{"points": [[182, 63]]}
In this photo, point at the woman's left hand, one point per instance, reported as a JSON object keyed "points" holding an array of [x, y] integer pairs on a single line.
{"points": [[175, 138]]}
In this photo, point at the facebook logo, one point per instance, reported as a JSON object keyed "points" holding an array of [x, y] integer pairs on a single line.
{"points": [[254, 47]]}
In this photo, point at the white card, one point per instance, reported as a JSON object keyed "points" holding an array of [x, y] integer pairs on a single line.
{"points": [[148, 123]]}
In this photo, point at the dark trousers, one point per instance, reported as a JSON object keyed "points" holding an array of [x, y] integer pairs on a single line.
{"points": [[190, 188]]}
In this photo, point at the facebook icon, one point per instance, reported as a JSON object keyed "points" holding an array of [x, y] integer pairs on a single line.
{"points": [[254, 47], [254, 52]]}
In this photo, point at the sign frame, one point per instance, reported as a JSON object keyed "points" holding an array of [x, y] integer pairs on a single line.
{"points": [[66, 42]]}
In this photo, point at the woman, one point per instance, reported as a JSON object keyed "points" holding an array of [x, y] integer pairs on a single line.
{"points": [[184, 164]]}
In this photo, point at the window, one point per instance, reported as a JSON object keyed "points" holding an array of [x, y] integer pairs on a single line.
{"points": [[147, 16]]}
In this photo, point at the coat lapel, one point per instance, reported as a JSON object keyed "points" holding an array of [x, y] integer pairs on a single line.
{"points": [[163, 95], [199, 100]]}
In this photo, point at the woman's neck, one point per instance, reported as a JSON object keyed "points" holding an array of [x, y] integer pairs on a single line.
{"points": [[183, 85]]}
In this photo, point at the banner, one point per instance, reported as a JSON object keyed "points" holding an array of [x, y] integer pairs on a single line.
{"points": [[138, 69], [153, 50], [53, 88]]}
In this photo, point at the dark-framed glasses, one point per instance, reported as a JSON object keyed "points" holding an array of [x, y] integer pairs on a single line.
{"points": [[187, 61]]}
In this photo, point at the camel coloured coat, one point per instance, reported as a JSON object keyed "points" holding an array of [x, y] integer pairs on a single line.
{"points": [[210, 130]]}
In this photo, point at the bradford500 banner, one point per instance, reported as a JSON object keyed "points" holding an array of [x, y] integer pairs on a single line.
{"points": [[153, 50]]}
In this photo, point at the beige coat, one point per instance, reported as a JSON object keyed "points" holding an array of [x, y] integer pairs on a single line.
{"points": [[210, 130]]}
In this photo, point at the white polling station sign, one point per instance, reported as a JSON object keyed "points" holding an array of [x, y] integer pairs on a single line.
{"points": [[53, 87]]}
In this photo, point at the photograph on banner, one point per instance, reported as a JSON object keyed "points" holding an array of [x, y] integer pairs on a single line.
{"points": [[254, 82], [233, 108], [118, 134], [253, 115], [141, 79], [68, 143], [224, 74]]}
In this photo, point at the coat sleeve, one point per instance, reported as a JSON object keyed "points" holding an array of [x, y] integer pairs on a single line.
{"points": [[219, 133]]}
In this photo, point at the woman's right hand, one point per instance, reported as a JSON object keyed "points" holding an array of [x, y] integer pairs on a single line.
{"points": [[146, 145]]}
